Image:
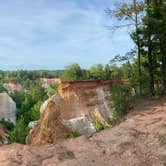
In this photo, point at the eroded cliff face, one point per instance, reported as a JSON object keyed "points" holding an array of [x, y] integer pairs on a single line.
{"points": [[75, 107], [12, 86], [7, 108]]}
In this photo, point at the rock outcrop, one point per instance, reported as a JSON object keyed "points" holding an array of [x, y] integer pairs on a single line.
{"points": [[75, 107], [7, 108]]}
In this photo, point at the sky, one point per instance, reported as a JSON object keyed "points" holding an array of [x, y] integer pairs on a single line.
{"points": [[51, 34]]}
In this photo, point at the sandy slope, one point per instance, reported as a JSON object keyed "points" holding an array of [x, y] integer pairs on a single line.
{"points": [[138, 141]]}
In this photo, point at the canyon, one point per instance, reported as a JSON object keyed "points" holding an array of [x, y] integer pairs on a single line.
{"points": [[75, 107], [139, 140]]}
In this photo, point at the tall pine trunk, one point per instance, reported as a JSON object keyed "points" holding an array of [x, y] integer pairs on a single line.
{"points": [[138, 47], [163, 43], [163, 66], [150, 61], [150, 56]]}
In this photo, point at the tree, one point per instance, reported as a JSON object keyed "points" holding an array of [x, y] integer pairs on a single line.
{"points": [[107, 71], [72, 72], [19, 133], [97, 72], [33, 94], [131, 12], [18, 97], [53, 89], [157, 17], [2, 89], [35, 111], [126, 61], [8, 125], [153, 41]]}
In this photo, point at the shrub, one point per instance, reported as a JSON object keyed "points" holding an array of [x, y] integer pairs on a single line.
{"points": [[100, 124], [74, 134], [162, 139], [8, 125], [2, 89], [53, 89], [19, 133], [122, 100], [68, 135], [35, 111]]}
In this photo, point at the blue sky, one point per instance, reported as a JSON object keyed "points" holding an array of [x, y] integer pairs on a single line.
{"points": [[50, 34]]}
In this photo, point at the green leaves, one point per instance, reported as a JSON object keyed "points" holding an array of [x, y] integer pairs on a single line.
{"points": [[100, 124], [28, 104], [122, 99], [97, 72], [35, 111], [7, 125], [72, 72], [19, 133]]}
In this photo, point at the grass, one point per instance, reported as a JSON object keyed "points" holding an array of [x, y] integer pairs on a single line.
{"points": [[100, 124], [162, 139], [73, 134]]}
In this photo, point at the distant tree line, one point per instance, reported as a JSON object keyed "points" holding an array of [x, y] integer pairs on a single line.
{"points": [[74, 72], [22, 75]]}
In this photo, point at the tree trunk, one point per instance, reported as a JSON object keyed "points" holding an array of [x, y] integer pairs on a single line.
{"points": [[138, 47], [150, 57], [150, 60], [163, 66]]}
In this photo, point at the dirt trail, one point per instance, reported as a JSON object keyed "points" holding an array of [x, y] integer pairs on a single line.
{"points": [[138, 141]]}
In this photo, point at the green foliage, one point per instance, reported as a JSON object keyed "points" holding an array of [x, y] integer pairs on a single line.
{"points": [[25, 75], [2, 89], [74, 134], [97, 72], [18, 97], [149, 35], [53, 89], [68, 135], [122, 99], [100, 124], [29, 100], [155, 97], [35, 111], [107, 72], [19, 133], [162, 139], [72, 73], [28, 103], [8, 125]]}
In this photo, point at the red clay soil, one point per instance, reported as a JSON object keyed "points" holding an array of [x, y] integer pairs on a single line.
{"points": [[140, 140], [89, 84]]}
